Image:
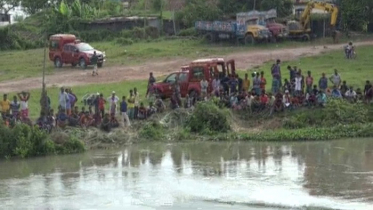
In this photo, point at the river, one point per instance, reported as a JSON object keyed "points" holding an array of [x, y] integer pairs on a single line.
{"points": [[198, 175]]}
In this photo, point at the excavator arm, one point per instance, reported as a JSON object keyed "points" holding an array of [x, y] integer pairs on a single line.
{"points": [[306, 15]]}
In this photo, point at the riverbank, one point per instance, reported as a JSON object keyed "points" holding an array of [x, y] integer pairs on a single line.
{"points": [[338, 120]]}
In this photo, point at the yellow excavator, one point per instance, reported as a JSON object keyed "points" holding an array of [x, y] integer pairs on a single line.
{"points": [[302, 30]]}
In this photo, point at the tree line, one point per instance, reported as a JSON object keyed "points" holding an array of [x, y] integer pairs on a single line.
{"points": [[355, 14]]}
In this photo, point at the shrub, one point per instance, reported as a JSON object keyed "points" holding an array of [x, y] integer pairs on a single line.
{"points": [[140, 33], [207, 117], [312, 133], [25, 141], [152, 131], [188, 32], [124, 41], [336, 112]]}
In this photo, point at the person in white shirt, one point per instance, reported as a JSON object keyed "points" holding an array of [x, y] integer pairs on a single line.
{"points": [[113, 101], [286, 99], [204, 86], [336, 78], [216, 86], [24, 97], [350, 95], [63, 99], [249, 101], [298, 84]]}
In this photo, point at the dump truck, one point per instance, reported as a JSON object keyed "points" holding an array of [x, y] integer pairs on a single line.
{"points": [[245, 28], [268, 18]]}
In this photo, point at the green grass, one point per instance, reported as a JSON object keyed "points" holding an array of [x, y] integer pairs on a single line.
{"points": [[29, 63], [355, 72]]}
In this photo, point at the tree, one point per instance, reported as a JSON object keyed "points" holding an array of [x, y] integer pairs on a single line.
{"points": [[33, 6], [284, 7], [198, 10], [354, 14], [7, 5]]}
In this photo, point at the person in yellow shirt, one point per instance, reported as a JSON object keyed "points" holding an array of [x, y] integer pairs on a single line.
{"points": [[246, 83], [131, 105], [5, 106]]}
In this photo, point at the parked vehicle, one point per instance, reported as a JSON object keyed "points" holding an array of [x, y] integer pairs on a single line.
{"points": [[67, 49], [190, 76], [302, 30], [268, 18], [245, 28]]}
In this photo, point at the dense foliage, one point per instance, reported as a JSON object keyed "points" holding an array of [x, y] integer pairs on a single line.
{"points": [[336, 112], [208, 118], [152, 131], [25, 141], [310, 133]]}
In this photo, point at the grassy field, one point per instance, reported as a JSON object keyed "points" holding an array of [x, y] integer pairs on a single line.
{"points": [[29, 63], [355, 72]]}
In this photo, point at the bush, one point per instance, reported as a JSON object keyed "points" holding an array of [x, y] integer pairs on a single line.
{"points": [[336, 112], [140, 33], [208, 118], [96, 35], [25, 141], [188, 32], [124, 41], [152, 131], [312, 133]]}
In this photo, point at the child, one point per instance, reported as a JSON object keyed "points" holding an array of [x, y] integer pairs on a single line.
{"points": [[142, 112]]}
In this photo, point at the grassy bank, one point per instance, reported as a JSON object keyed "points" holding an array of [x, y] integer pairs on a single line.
{"points": [[216, 124]]}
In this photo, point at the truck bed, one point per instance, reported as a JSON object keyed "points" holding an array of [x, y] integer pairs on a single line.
{"points": [[216, 26]]}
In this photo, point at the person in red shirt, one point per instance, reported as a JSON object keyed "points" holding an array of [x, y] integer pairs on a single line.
{"points": [[263, 100], [263, 81], [101, 104], [86, 120]]}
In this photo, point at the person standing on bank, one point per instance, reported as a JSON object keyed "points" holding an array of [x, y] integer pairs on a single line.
{"points": [[94, 59]]}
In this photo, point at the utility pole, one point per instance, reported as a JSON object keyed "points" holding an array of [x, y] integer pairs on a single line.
{"points": [[44, 98], [254, 4], [144, 19]]}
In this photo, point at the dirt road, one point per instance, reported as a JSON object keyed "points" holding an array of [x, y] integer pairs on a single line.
{"points": [[244, 60]]}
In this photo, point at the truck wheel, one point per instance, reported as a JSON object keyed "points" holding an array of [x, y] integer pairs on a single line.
{"points": [[306, 38], [82, 63], [210, 37], [99, 65], [249, 39], [58, 62], [273, 39]]}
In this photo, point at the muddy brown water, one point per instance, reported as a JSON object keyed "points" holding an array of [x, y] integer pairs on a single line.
{"points": [[306, 175]]}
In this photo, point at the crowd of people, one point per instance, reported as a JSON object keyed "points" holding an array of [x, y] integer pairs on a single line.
{"points": [[299, 90], [230, 91], [96, 110]]}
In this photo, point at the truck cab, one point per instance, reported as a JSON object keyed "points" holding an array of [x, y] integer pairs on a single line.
{"points": [[278, 30], [250, 28], [67, 49]]}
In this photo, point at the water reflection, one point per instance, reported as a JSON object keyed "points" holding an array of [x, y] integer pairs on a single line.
{"points": [[296, 174]]}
